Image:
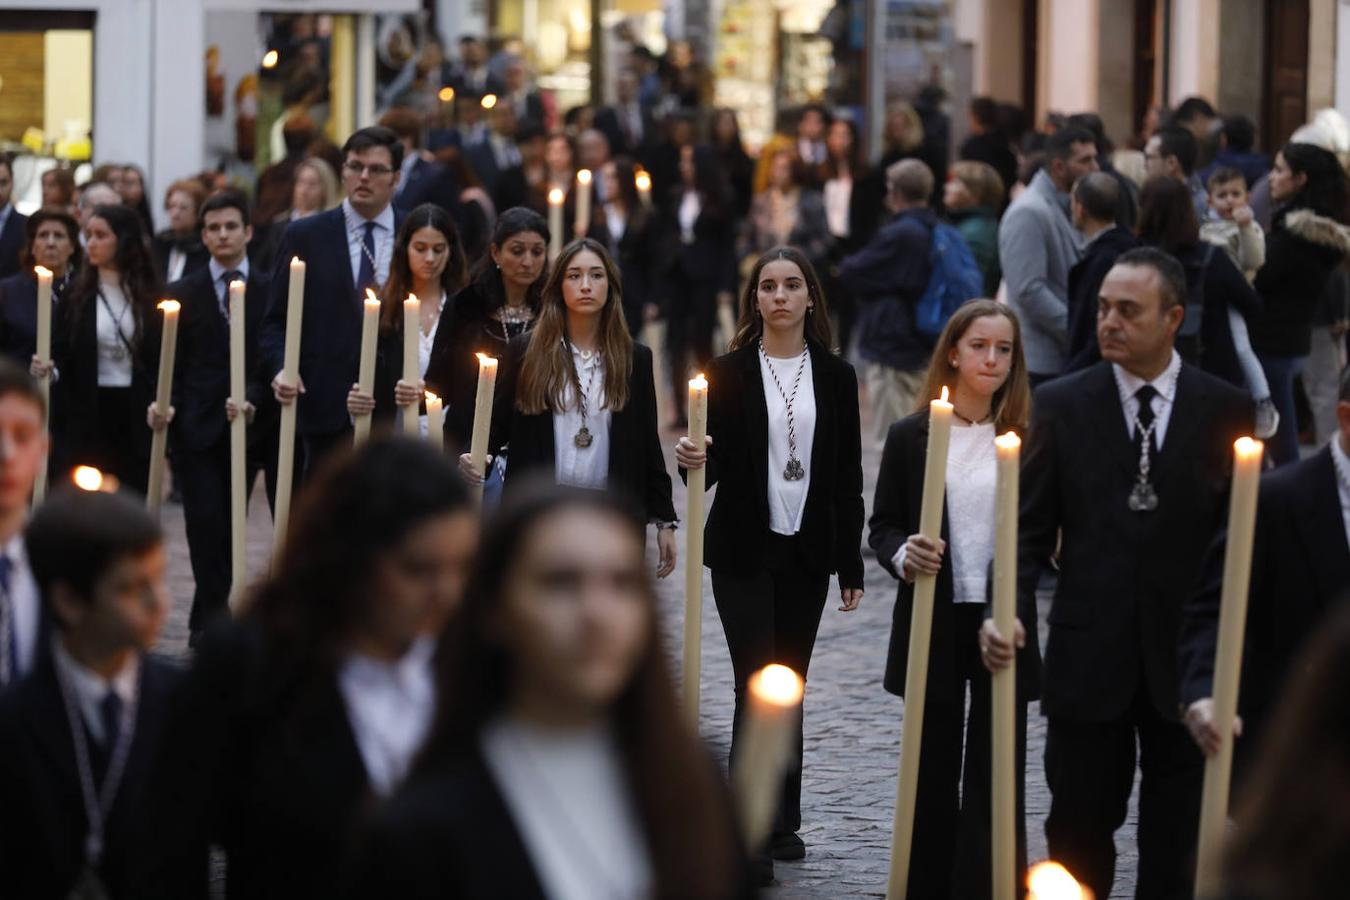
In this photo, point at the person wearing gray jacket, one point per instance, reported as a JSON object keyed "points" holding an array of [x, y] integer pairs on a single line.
{"points": [[1038, 245]]}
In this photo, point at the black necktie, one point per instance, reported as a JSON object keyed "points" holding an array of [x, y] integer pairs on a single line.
{"points": [[100, 753], [229, 278], [1144, 419], [365, 274]]}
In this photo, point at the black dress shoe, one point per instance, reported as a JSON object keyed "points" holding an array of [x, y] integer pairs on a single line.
{"points": [[787, 847]]}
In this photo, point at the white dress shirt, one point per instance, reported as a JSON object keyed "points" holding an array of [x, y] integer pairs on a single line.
{"points": [[586, 467], [568, 796], [1341, 460], [389, 706], [218, 273], [176, 264], [616, 222], [1166, 386], [688, 214], [114, 314], [838, 198], [787, 499], [384, 240], [25, 605], [91, 688]]}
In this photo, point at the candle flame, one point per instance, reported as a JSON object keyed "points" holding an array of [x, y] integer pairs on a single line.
{"points": [[371, 299], [269, 60], [432, 398], [1008, 441], [485, 361], [555, 197], [1051, 881], [1248, 448], [643, 181], [412, 298], [446, 94], [489, 101], [778, 685], [169, 306], [945, 395], [87, 478], [698, 382], [238, 285], [584, 176], [42, 270], [297, 262]]}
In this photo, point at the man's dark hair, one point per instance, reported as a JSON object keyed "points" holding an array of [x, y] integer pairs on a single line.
{"points": [[1099, 195], [1060, 145], [1171, 274], [1223, 175], [1090, 121], [1192, 108], [529, 131], [226, 199], [77, 536], [7, 161], [825, 116], [984, 110], [14, 379], [1239, 132], [1173, 140], [375, 136]]}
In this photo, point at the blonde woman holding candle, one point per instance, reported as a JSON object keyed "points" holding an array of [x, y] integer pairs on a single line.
{"points": [[785, 452], [979, 359]]}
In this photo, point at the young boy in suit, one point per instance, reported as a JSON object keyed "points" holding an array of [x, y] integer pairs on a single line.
{"points": [[23, 454]]}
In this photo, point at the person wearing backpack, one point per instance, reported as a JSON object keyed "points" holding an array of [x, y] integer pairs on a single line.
{"points": [[908, 279]]}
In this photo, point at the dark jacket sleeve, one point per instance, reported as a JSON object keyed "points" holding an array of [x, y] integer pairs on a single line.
{"points": [[848, 499], [893, 264], [659, 504], [1039, 514], [504, 394], [888, 528]]}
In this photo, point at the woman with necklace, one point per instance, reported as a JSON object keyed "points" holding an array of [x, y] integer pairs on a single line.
{"points": [[785, 451], [500, 303], [428, 262], [979, 358], [577, 398], [559, 765], [105, 344], [53, 242]]}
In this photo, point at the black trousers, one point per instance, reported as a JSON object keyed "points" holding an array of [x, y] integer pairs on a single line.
{"points": [[950, 855], [1090, 770], [117, 439], [772, 617], [317, 447], [691, 315]]}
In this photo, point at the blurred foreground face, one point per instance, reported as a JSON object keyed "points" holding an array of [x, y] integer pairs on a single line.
{"points": [[23, 449], [576, 615], [127, 606], [418, 583]]}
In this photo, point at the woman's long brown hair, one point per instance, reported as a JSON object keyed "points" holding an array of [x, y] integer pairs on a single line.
{"points": [[1011, 403], [547, 369], [750, 327]]}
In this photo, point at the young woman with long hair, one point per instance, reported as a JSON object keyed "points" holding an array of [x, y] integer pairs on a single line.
{"points": [[577, 399], [559, 765], [501, 302], [627, 229], [428, 262], [785, 452], [979, 358]]}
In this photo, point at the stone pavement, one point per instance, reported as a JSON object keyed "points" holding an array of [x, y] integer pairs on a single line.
{"points": [[852, 724]]}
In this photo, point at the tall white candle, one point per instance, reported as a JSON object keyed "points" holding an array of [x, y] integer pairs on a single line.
{"points": [[583, 223], [290, 374], [365, 378], [555, 222], [1004, 688], [435, 421], [482, 417], [696, 480], [163, 395], [44, 353], [238, 446], [412, 336]]}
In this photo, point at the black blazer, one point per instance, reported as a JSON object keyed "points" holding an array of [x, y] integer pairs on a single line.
{"points": [[18, 316], [1300, 571], [738, 416], [895, 516], [330, 342], [42, 818], [1123, 576], [162, 245], [636, 463], [634, 253], [709, 260], [607, 122], [12, 239], [201, 381]]}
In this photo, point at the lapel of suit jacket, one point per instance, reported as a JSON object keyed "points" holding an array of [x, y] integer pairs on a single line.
{"points": [[1324, 527], [337, 238], [756, 418], [50, 726], [624, 444], [1108, 417]]}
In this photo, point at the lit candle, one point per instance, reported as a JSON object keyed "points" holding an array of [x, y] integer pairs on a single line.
{"points": [[1237, 571], [583, 223], [693, 551], [435, 421], [238, 446], [163, 394], [365, 377], [290, 374], [1004, 689], [644, 187], [1051, 881], [412, 336], [44, 353], [775, 699], [920, 632], [482, 417], [555, 222]]}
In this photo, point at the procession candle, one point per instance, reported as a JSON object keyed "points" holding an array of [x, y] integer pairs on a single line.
{"points": [[644, 187], [1004, 728], [920, 632], [44, 353], [164, 392], [435, 421], [238, 446], [1051, 881], [693, 552], [1237, 570], [482, 417], [583, 222], [555, 222], [365, 376], [775, 698], [290, 374], [412, 335]]}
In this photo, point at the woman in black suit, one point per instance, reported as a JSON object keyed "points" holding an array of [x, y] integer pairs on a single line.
{"points": [[785, 451], [626, 228], [577, 399], [979, 357], [559, 765], [54, 242], [308, 709]]}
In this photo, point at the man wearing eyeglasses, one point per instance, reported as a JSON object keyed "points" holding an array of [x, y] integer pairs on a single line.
{"points": [[345, 250]]}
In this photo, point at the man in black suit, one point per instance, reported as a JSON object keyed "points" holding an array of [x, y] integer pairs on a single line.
{"points": [[1300, 572], [1126, 464], [627, 124], [80, 737], [1093, 205], [23, 454], [11, 221], [200, 431], [420, 180], [346, 250], [497, 158]]}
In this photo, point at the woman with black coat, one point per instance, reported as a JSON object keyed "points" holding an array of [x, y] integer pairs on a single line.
{"points": [[627, 229], [53, 241], [785, 452]]}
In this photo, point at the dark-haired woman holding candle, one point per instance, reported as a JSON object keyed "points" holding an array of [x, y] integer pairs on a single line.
{"points": [[785, 451]]}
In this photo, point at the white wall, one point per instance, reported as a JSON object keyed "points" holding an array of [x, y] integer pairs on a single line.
{"points": [[1343, 59], [1195, 49], [1067, 67]]}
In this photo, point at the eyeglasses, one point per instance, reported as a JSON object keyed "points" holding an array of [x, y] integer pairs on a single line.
{"points": [[355, 168]]}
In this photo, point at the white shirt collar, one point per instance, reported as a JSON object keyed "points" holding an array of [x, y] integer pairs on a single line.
{"points": [[90, 687], [355, 220], [15, 550], [404, 672], [1165, 384], [218, 271]]}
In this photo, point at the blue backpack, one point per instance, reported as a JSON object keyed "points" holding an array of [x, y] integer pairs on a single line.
{"points": [[955, 280]]}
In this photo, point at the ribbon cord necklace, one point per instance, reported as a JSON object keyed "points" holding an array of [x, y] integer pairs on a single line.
{"points": [[583, 438], [794, 470]]}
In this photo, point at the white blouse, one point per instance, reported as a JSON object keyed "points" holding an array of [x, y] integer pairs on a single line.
{"points": [[838, 197], [427, 340], [688, 214], [586, 467], [114, 315], [390, 707], [787, 499]]}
